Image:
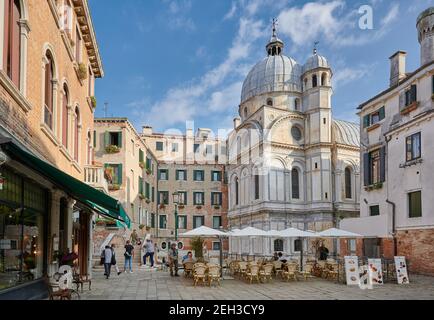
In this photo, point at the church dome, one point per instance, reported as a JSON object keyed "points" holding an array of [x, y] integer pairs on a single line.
{"points": [[315, 61], [346, 133], [275, 73]]}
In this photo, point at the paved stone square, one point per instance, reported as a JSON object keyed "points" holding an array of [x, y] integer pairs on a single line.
{"points": [[159, 285]]}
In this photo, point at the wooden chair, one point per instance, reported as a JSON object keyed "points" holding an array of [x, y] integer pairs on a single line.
{"points": [[307, 271], [56, 292], [199, 274], [213, 274], [188, 269], [252, 273], [79, 280], [290, 272], [277, 268], [266, 272]]}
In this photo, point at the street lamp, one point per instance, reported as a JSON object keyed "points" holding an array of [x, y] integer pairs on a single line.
{"points": [[176, 201]]}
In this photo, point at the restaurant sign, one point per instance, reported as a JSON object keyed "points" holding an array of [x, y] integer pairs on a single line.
{"points": [[375, 274], [352, 270], [401, 270]]}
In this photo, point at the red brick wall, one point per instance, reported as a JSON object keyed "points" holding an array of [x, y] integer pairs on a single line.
{"points": [[418, 247]]}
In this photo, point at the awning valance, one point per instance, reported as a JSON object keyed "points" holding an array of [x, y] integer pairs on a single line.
{"points": [[91, 197]]}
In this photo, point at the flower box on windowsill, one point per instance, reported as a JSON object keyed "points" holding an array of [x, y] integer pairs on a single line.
{"points": [[141, 196], [162, 206], [198, 207], [373, 127], [112, 149], [375, 186], [409, 108], [217, 207], [114, 187], [148, 171], [181, 206], [147, 200], [142, 165]]}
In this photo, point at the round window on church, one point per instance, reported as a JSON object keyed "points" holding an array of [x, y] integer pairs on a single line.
{"points": [[296, 133]]}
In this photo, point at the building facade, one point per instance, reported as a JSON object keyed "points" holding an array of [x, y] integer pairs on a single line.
{"points": [[49, 60], [130, 169], [194, 166], [289, 162], [397, 162]]}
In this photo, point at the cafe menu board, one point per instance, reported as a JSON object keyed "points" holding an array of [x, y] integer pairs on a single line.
{"points": [[352, 270], [375, 274], [401, 270]]}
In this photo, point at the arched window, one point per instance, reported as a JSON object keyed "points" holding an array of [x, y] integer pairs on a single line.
{"points": [[12, 41], [295, 183], [76, 133], [256, 186], [48, 94], [314, 81], [296, 104], [89, 148], [348, 182], [270, 102], [237, 195], [324, 79], [278, 245], [65, 116]]}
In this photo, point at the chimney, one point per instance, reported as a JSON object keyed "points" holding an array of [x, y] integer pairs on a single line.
{"points": [[397, 67], [147, 130], [237, 122]]}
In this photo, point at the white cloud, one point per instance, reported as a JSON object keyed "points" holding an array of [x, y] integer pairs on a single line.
{"points": [[232, 11], [227, 98], [347, 75], [178, 15]]}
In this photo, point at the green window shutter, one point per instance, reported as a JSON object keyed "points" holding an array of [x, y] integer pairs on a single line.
{"points": [[382, 113], [141, 155], [413, 93], [120, 139], [94, 138], [366, 121], [203, 198], [185, 198], [153, 194], [120, 174], [140, 185], [366, 169], [177, 175], [383, 164], [106, 138]]}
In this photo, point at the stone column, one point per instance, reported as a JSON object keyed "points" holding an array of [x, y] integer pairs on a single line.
{"points": [[69, 219], [24, 36], [56, 195]]}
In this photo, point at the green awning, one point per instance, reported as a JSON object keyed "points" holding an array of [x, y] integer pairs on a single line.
{"points": [[110, 214], [80, 191]]}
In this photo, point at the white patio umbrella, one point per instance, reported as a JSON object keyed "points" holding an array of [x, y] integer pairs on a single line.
{"points": [[337, 233], [250, 232], [296, 233], [207, 232]]}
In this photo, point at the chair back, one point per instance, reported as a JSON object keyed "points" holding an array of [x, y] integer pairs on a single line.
{"points": [[292, 267], [242, 265], [198, 264], [254, 269], [268, 268], [188, 265], [214, 271], [277, 264], [308, 267], [200, 270]]}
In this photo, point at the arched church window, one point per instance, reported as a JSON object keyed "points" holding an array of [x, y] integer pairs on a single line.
{"points": [[237, 196], [270, 102], [295, 183], [324, 79], [278, 245], [314, 81], [65, 118], [348, 182], [296, 104], [256, 186]]}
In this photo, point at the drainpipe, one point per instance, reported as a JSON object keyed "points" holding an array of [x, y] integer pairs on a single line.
{"points": [[393, 204]]}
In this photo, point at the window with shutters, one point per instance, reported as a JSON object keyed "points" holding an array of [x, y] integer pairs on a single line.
{"points": [[141, 185], [375, 167], [113, 173], [182, 197], [408, 99], [415, 204], [163, 221], [198, 198], [141, 156], [216, 198], [163, 174], [48, 92], [113, 139], [348, 184], [198, 175], [198, 221], [163, 197], [216, 222], [12, 40], [216, 175], [374, 117], [413, 147], [65, 116], [182, 222], [181, 175]]}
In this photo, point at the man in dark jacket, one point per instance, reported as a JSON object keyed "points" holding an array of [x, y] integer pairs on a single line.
{"points": [[323, 252]]}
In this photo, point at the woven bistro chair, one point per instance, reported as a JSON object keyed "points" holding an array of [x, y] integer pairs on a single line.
{"points": [[266, 272], [233, 268], [214, 274], [199, 274], [307, 271], [277, 268], [242, 268], [290, 271], [188, 269], [331, 271], [252, 273]]}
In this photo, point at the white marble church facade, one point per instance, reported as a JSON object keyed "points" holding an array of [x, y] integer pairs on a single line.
{"points": [[290, 162]]}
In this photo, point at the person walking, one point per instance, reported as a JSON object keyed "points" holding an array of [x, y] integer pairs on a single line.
{"points": [[129, 255], [173, 259], [150, 250], [114, 262], [108, 254]]}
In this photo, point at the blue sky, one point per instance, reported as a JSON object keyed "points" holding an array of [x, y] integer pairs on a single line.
{"points": [[171, 61]]}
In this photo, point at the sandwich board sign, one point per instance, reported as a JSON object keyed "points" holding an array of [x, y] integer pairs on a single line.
{"points": [[375, 272], [352, 270], [401, 270]]}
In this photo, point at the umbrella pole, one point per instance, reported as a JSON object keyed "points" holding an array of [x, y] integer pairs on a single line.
{"points": [[301, 254]]}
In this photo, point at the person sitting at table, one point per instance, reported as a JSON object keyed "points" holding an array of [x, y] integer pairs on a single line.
{"points": [[282, 258], [323, 252], [188, 257]]}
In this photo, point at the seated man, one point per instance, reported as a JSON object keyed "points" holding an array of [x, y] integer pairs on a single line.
{"points": [[282, 258], [188, 257]]}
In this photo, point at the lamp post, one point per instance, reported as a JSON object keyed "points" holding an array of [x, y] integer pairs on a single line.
{"points": [[176, 201]]}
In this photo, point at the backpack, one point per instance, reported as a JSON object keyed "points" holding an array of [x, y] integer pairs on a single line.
{"points": [[102, 257]]}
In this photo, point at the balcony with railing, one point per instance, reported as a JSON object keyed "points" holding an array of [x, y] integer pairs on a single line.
{"points": [[94, 176]]}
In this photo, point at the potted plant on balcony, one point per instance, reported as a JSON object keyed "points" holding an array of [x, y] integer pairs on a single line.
{"points": [[162, 206], [142, 164], [148, 170], [93, 101], [181, 206], [82, 71], [141, 196], [199, 206], [100, 222], [114, 187], [147, 200], [216, 206], [141, 227], [112, 149]]}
